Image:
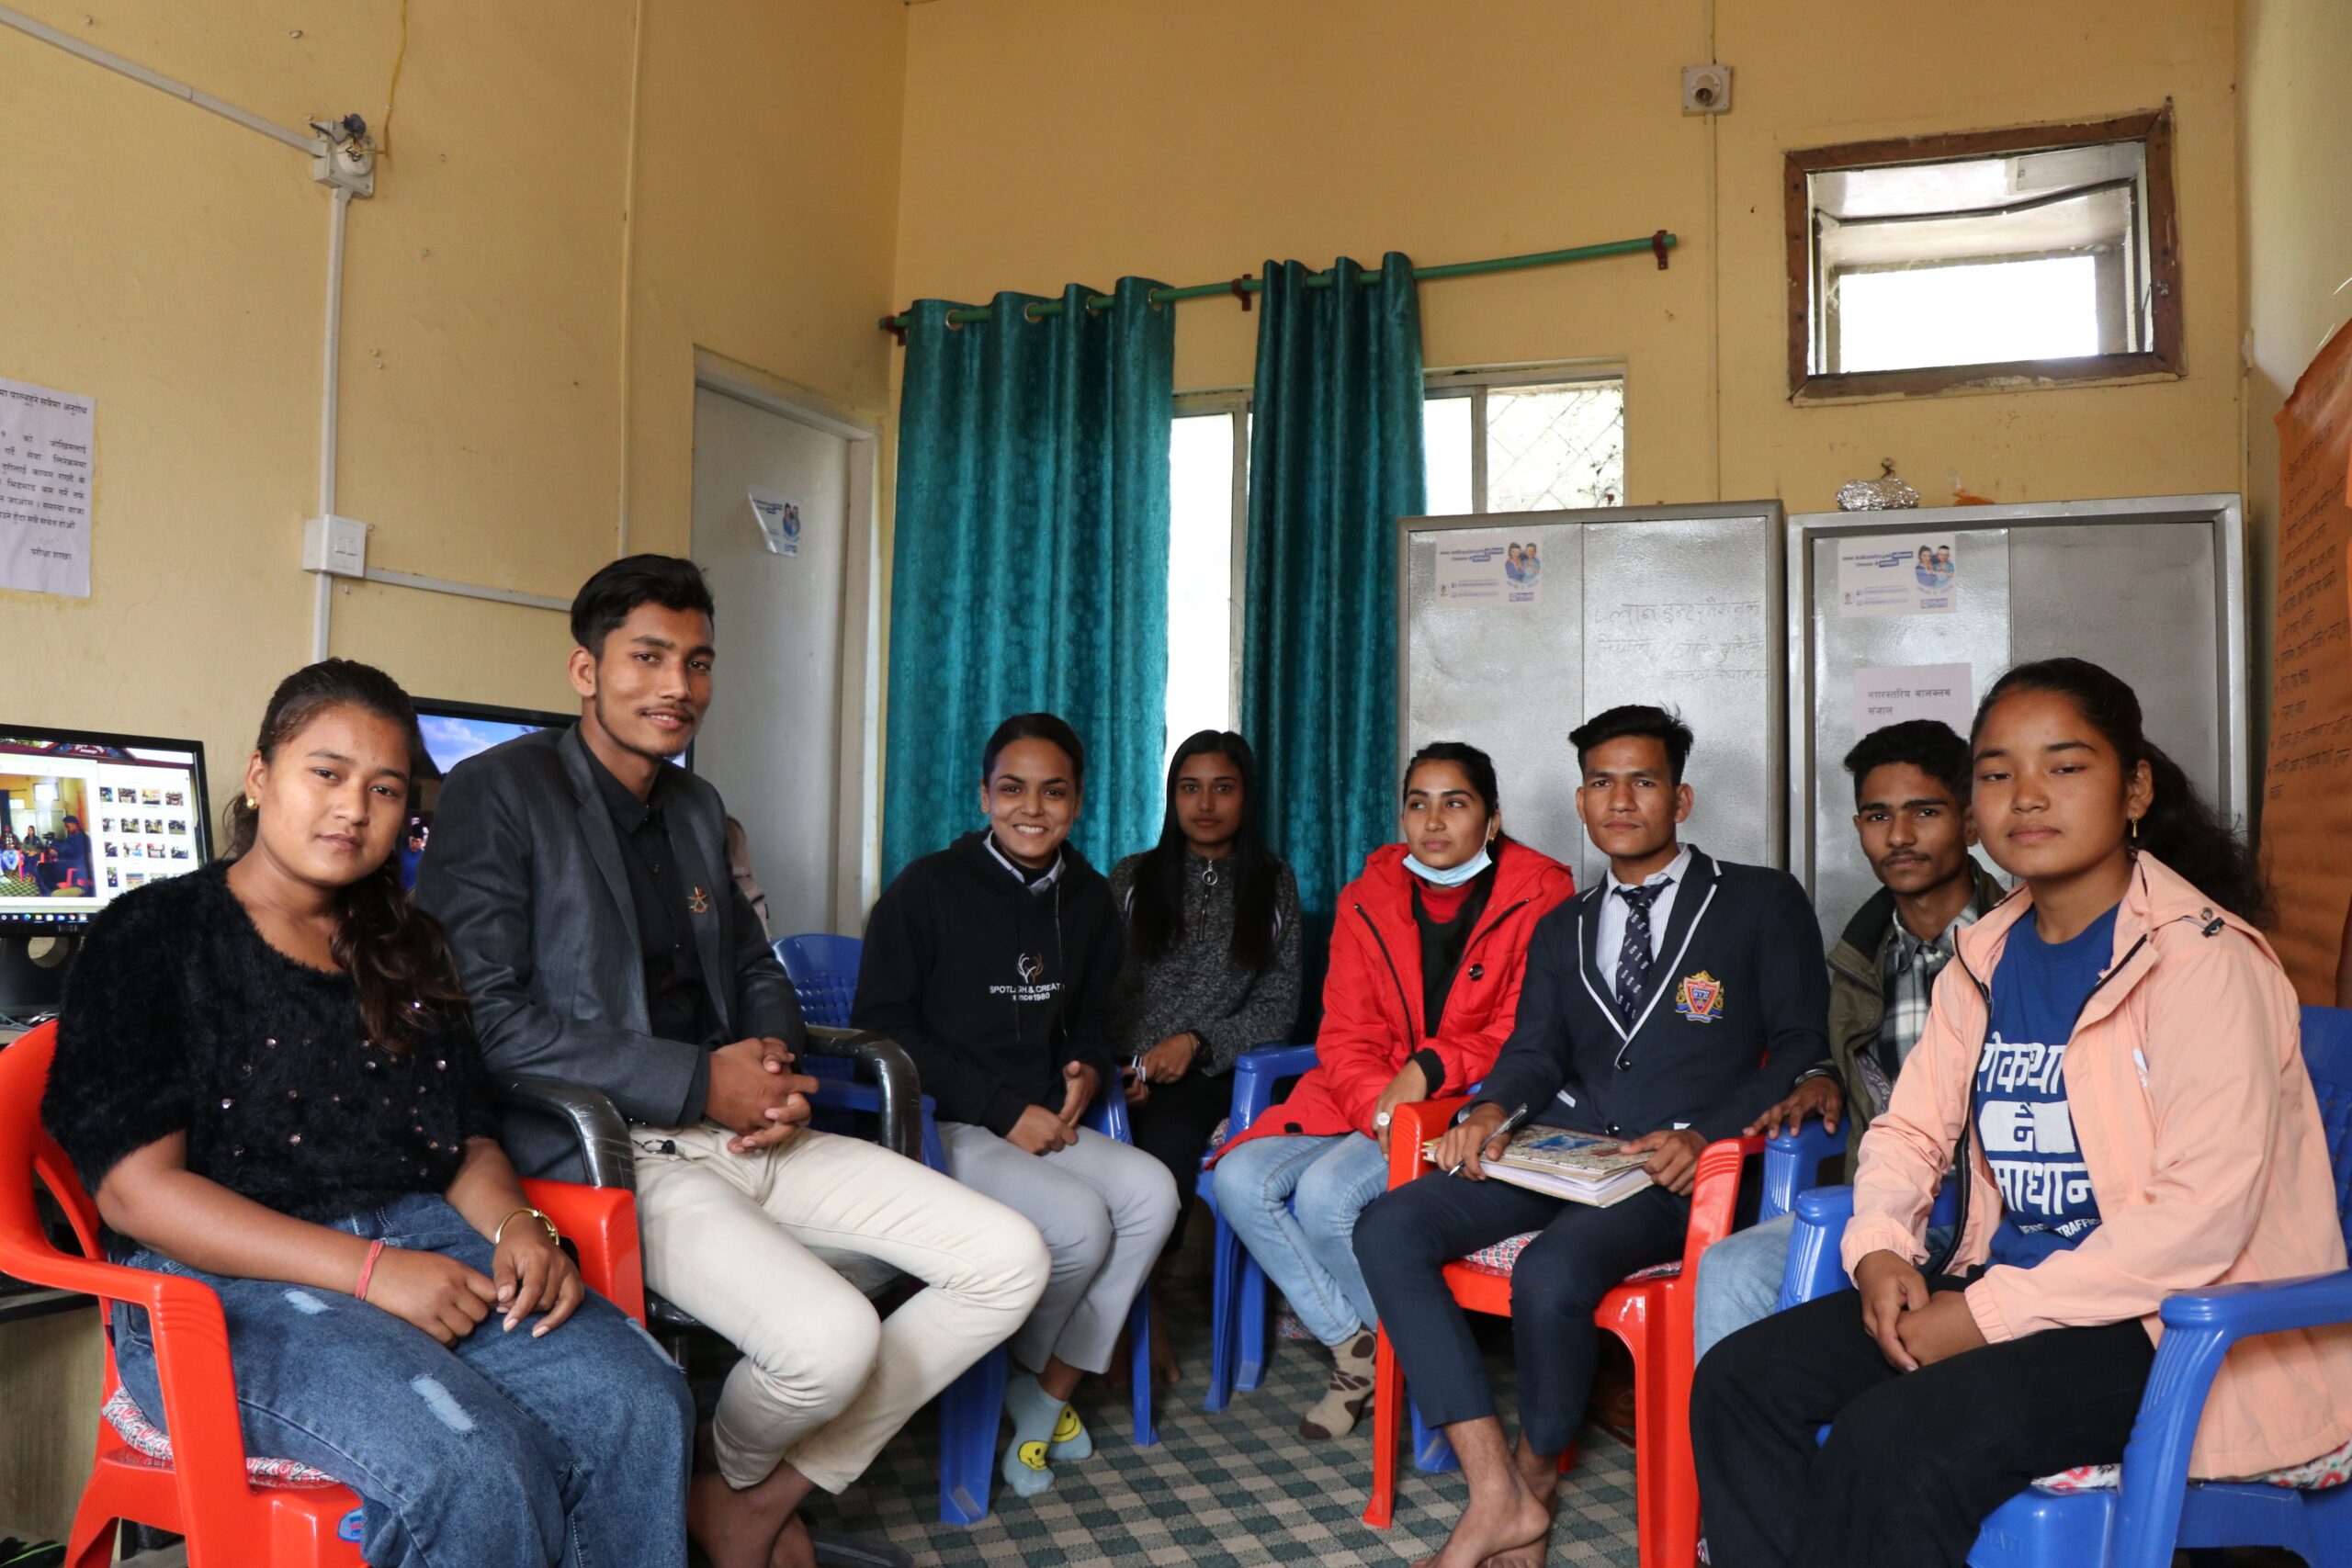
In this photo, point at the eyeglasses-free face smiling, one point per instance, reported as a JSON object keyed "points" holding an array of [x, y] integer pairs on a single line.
{"points": [[1032, 799]]}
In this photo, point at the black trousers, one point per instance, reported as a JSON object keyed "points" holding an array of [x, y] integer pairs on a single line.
{"points": [[1916, 1461], [1173, 1127], [1405, 1238]]}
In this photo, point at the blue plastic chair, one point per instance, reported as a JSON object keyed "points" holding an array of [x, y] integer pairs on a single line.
{"points": [[973, 1404], [823, 970], [2158, 1508], [1236, 1285]]}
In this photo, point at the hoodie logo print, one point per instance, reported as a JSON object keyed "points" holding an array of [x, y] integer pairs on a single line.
{"points": [[1031, 969]]}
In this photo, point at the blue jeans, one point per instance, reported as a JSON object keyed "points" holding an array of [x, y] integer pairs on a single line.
{"points": [[573, 1449], [1739, 1279], [1294, 1202]]}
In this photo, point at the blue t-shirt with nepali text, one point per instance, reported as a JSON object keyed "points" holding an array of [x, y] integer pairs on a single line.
{"points": [[2028, 1133]]}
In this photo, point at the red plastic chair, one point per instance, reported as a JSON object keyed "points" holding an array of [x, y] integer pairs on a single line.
{"points": [[203, 1493], [1650, 1312]]}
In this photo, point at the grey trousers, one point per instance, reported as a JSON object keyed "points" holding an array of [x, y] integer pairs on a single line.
{"points": [[1104, 1208]]}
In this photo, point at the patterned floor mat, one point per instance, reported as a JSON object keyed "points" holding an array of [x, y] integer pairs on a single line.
{"points": [[1238, 1488]]}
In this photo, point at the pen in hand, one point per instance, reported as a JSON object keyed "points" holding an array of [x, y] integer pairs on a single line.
{"points": [[1510, 1126]]}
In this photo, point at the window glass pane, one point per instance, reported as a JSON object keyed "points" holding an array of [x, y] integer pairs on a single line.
{"points": [[1556, 446], [1979, 314], [1445, 448], [1200, 576]]}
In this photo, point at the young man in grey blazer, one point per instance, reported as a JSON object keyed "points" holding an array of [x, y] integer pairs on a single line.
{"points": [[585, 886]]}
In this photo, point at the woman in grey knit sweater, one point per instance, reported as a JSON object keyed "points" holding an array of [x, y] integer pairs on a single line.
{"points": [[1212, 964]]}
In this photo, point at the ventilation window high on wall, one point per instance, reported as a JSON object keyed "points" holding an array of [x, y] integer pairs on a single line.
{"points": [[2047, 253]]}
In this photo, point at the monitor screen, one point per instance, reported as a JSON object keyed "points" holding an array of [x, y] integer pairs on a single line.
{"points": [[85, 817], [453, 732]]}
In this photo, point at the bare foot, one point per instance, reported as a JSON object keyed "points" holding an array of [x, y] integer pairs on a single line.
{"points": [[1539, 1474], [1511, 1523], [792, 1548], [741, 1529]]}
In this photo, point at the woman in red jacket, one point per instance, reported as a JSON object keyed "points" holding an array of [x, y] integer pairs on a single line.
{"points": [[1427, 950]]}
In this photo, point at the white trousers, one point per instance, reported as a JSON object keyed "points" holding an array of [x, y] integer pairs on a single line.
{"points": [[1105, 1209], [753, 1246]]}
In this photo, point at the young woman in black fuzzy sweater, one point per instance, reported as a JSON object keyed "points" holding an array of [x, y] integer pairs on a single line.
{"points": [[267, 1075]]}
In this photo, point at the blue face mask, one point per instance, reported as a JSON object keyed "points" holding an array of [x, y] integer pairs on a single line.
{"points": [[1452, 875]]}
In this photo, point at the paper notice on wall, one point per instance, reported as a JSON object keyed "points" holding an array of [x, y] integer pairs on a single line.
{"points": [[1898, 574], [1895, 693], [2307, 786], [46, 440], [1489, 569], [778, 521]]}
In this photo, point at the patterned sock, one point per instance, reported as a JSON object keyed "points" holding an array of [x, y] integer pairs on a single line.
{"points": [[1034, 1414], [1071, 1439], [1348, 1393]]}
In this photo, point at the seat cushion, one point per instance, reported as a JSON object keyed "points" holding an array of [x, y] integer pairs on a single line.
{"points": [[2331, 1469], [130, 1424], [1502, 1257]]}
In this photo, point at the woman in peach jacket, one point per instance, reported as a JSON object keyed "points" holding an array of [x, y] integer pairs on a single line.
{"points": [[2115, 1057]]}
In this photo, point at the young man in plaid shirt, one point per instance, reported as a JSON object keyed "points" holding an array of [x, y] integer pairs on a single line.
{"points": [[1911, 811]]}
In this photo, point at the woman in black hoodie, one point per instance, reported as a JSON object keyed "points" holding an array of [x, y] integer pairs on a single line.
{"points": [[991, 961]]}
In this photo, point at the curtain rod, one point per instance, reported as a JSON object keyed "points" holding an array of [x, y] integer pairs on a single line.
{"points": [[1243, 286]]}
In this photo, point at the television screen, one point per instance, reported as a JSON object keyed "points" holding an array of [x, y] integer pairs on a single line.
{"points": [[85, 817], [453, 732]]}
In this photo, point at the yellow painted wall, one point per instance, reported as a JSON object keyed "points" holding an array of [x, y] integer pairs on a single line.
{"points": [[2295, 148], [173, 266], [1051, 139]]}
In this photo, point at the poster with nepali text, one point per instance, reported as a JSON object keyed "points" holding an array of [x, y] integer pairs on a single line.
{"points": [[2307, 787]]}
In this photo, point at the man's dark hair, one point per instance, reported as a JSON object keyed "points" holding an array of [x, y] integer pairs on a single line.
{"points": [[1928, 744], [1037, 726], [1637, 719], [605, 600]]}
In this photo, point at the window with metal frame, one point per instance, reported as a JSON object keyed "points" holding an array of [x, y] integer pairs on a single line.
{"points": [[1529, 439]]}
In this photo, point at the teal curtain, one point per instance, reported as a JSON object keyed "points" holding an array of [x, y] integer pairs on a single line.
{"points": [[1335, 458], [1029, 562]]}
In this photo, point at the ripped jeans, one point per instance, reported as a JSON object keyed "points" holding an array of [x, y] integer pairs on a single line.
{"points": [[572, 1449]]}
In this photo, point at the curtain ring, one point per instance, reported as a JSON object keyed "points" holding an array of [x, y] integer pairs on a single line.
{"points": [[1026, 313]]}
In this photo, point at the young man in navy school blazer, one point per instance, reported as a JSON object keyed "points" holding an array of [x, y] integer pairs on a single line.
{"points": [[1669, 1006]]}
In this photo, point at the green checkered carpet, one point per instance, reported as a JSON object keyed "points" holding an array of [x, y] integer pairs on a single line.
{"points": [[1219, 1491]]}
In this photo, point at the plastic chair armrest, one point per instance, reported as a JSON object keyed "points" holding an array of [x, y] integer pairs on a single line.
{"points": [[601, 1130], [1410, 1127], [899, 1087], [1793, 1163], [1714, 1194], [2240, 1312], [2199, 1329], [191, 1340], [1256, 1072], [601, 1223], [1814, 1269]]}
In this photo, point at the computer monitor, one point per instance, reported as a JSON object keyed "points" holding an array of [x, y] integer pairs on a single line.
{"points": [[453, 732], [86, 816]]}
